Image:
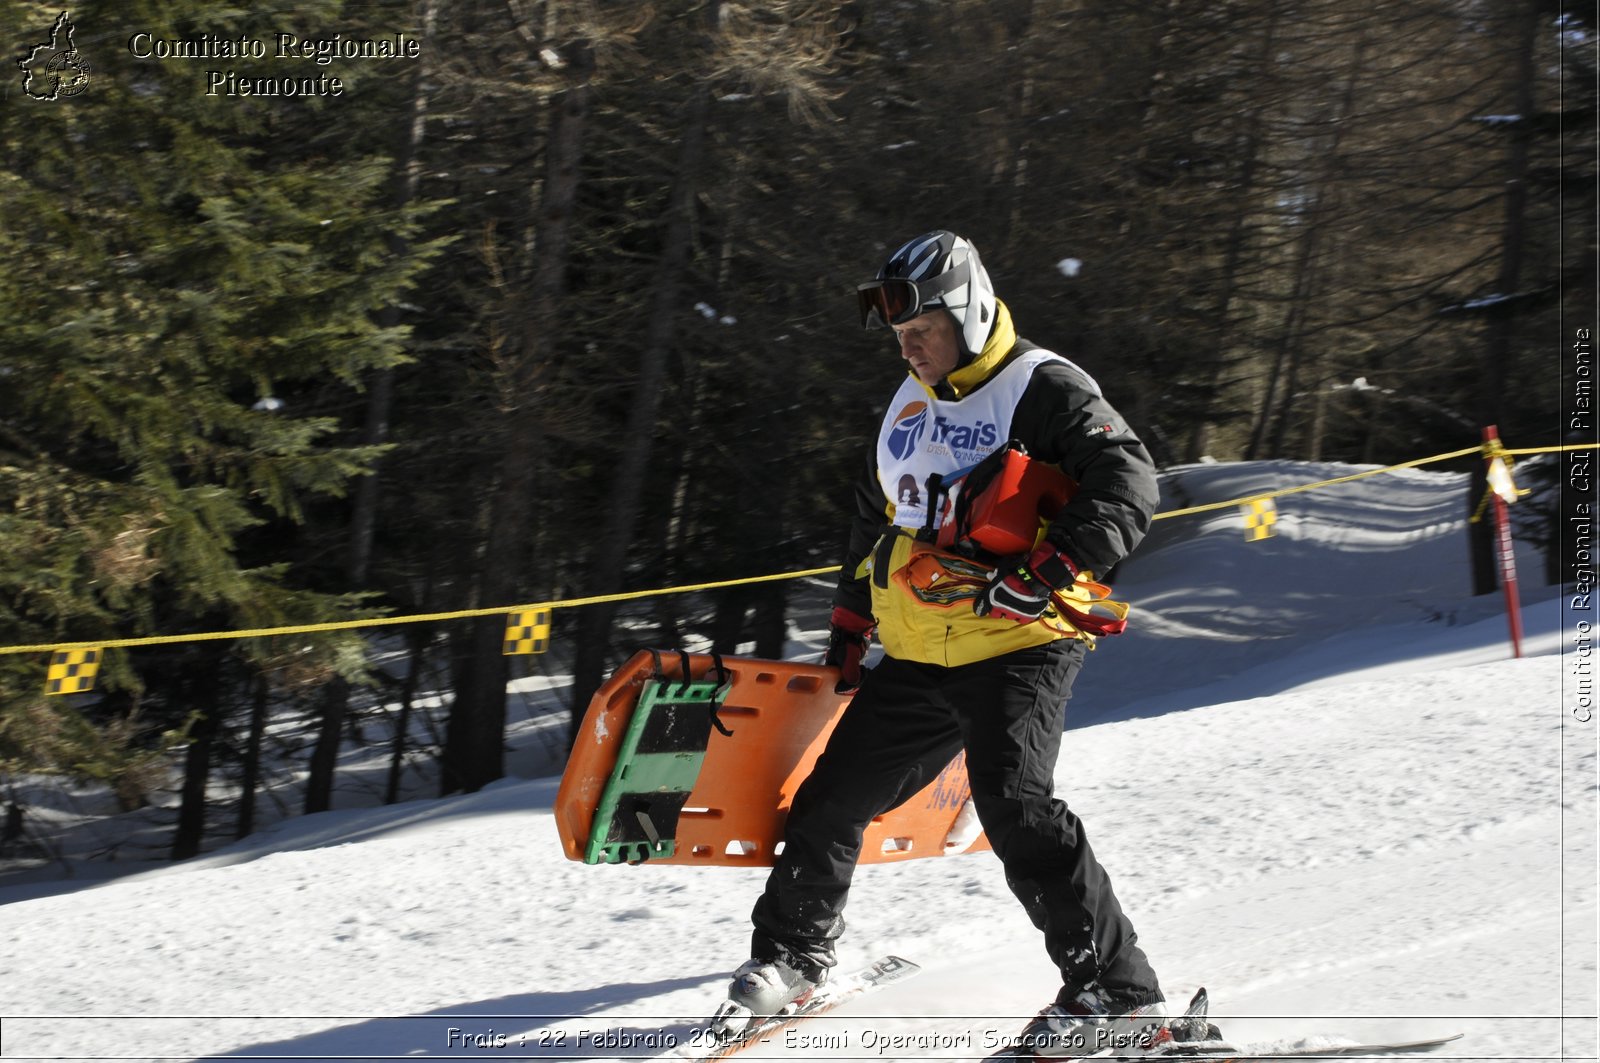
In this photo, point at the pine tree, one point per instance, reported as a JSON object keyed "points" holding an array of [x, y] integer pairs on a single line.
{"points": [[191, 278]]}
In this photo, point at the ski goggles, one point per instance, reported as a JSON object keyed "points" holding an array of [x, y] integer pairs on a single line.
{"points": [[894, 301]]}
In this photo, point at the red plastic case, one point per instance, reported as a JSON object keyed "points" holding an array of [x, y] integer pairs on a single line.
{"points": [[1003, 516]]}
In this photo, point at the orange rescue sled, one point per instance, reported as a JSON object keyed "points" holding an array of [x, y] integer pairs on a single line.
{"points": [[695, 759]]}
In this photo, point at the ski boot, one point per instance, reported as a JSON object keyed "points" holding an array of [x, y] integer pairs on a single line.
{"points": [[1085, 1022], [761, 989]]}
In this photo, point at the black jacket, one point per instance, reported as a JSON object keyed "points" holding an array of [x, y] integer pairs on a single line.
{"points": [[1061, 418]]}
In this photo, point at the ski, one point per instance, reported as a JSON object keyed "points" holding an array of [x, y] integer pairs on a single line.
{"points": [[1226, 1052], [1193, 1037], [882, 972], [1229, 1052]]}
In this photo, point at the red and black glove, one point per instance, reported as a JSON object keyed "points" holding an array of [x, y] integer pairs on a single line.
{"points": [[848, 635], [1021, 591]]}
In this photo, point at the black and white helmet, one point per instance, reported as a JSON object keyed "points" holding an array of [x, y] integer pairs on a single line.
{"points": [[934, 271]]}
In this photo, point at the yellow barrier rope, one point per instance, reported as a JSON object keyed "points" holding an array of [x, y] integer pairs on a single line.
{"points": [[390, 621], [461, 614], [1547, 450], [1247, 499]]}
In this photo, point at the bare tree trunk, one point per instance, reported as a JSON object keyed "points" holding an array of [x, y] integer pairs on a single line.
{"points": [[1243, 195], [1014, 153], [1267, 415], [727, 625], [251, 780], [1513, 241], [204, 689], [380, 385], [1316, 433], [771, 621], [1276, 413], [374, 432], [625, 498], [417, 640], [1293, 346], [335, 698], [473, 753]]}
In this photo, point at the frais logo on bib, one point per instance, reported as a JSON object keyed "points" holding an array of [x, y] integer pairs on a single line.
{"points": [[909, 426], [964, 437], [906, 431]]}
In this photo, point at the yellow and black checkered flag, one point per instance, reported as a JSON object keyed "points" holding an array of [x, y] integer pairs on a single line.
{"points": [[1260, 514], [72, 671], [527, 631]]}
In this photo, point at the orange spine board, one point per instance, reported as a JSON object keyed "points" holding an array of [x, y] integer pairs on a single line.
{"points": [[780, 713]]}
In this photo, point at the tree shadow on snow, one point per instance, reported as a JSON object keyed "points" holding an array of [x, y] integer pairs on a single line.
{"points": [[524, 1026]]}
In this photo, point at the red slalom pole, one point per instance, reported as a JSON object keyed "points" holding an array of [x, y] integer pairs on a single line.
{"points": [[1499, 486]]}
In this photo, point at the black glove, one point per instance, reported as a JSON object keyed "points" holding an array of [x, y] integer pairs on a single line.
{"points": [[1021, 591], [848, 635]]}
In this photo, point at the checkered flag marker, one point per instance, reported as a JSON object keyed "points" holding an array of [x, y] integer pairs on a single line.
{"points": [[72, 671], [1260, 515], [527, 631]]}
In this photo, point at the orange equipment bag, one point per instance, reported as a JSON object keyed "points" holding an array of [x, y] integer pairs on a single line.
{"points": [[944, 579], [696, 761]]}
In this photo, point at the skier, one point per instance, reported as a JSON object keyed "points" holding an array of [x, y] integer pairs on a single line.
{"points": [[989, 676]]}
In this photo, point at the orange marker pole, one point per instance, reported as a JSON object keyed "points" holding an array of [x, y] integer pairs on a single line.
{"points": [[1499, 486]]}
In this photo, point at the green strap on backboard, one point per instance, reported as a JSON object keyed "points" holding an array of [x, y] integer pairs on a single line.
{"points": [[657, 765]]}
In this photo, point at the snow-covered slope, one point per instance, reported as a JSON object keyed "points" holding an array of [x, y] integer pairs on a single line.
{"points": [[1399, 838], [1356, 576]]}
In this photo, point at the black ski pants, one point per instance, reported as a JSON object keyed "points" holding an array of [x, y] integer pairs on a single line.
{"points": [[902, 728]]}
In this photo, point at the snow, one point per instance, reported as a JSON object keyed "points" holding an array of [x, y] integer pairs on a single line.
{"points": [[1360, 383], [1321, 787], [709, 312], [1484, 302]]}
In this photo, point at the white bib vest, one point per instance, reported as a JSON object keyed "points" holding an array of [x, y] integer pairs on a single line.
{"points": [[922, 435]]}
